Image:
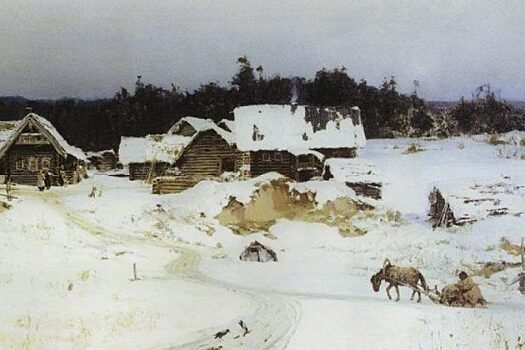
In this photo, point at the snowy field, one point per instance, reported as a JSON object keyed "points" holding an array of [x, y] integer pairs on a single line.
{"points": [[66, 261]]}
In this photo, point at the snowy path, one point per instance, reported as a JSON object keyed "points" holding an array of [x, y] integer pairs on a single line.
{"points": [[266, 306]]}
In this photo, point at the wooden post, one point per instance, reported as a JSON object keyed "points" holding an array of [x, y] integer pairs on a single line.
{"points": [[135, 272], [521, 275], [522, 254]]}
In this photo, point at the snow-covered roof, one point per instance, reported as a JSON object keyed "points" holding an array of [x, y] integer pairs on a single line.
{"points": [[69, 149], [99, 153], [6, 130], [228, 123], [162, 148], [284, 127], [45, 126], [201, 125]]}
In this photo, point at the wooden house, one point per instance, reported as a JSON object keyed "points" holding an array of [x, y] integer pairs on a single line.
{"points": [[150, 156], [193, 149], [103, 160], [211, 151], [34, 144], [294, 140]]}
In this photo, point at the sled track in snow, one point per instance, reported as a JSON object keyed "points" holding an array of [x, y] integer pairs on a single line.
{"points": [[272, 317]]}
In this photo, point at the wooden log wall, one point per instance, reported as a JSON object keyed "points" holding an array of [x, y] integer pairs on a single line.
{"points": [[145, 171], [208, 155], [366, 189], [172, 184], [27, 153], [343, 152], [282, 162], [105, 162]]}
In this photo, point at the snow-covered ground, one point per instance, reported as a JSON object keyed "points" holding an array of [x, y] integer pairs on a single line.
{"points": [[66, 261]]}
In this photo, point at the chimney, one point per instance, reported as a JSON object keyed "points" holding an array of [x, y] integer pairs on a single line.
{"points": [[29, 109]]}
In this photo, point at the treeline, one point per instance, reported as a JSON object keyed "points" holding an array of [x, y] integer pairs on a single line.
{"points": [[99, 124]]}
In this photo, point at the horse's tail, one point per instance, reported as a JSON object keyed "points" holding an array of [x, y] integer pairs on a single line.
{"points": [[423, 282]]}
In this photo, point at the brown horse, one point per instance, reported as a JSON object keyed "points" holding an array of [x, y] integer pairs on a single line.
{"points": [[396, 276]]}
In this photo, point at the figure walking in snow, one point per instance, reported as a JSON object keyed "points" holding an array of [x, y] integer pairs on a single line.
{"points": [[47, 179], [40, 181], [62, 181]]}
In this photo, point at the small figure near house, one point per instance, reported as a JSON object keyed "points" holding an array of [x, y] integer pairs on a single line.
{"points": [[40, 184], [47, 179], [62, 177], [8, 187]]}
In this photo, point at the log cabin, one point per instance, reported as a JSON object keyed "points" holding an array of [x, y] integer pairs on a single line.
{"points": [[294, 140], [34, 144], [193, 149], [103, 160], [150, 156], [210, 153]]}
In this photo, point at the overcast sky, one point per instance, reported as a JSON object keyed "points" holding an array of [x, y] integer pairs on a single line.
{"points": [[88, 48]]}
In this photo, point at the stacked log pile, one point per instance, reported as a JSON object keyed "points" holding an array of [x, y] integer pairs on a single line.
{"points": [[366, 189], [173, 184], [441, 215], [475, 203]]}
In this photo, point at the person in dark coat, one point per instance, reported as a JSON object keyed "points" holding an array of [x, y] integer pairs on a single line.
{"points": [[47, 179]]}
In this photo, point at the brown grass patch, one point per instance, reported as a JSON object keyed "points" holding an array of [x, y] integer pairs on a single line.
{"points": [[495, 140], [512, 249], [413, 148], [274, 201]]}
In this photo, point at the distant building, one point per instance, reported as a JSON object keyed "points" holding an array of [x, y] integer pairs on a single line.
{"points": [[210, 153], [32, 144], [294, 140], [103, 160], [291, 140], [150, 156], [193, 148]]}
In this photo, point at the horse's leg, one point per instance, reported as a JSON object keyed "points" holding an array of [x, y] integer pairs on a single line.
{"points": [[397, 292], [418, 296], [388, 291], [413, 292]]}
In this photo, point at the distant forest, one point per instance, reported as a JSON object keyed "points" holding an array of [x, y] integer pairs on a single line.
{"points": [[99, 124]]}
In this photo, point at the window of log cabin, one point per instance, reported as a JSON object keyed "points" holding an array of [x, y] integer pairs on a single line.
{"points": [[32, 164], [20, 164], [277, 157], [227, 164], [45, 163], [266, 157]]}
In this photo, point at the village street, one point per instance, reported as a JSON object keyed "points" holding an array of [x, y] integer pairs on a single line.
{"points": [[79, 251]]}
